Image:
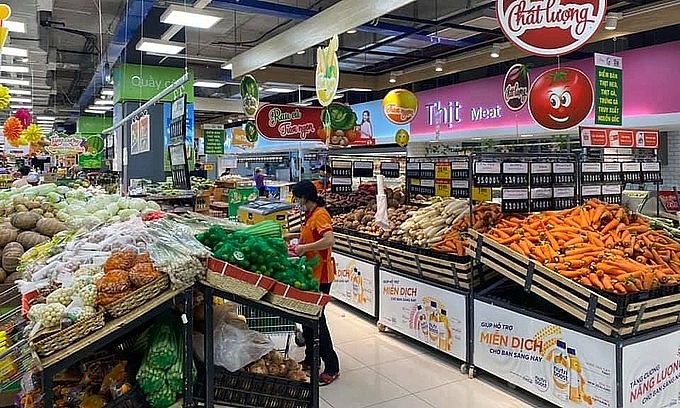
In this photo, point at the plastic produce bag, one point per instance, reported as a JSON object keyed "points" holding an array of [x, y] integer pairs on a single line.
{"points": [[381, 217], [235, 348]]}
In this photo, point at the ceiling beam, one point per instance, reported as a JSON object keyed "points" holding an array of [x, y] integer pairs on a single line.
{"points": [[342, 16]]}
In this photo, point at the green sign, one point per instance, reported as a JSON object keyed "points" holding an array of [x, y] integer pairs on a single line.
{"points": [[608, 90], [213, 141], [143, 82], [89, 129]]}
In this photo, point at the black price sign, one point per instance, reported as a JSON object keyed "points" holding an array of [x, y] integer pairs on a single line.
{"points": [[362, 169], [515, 200], [591, 172], [541, 174], [632, 172], [389, 169], [564, 173], [341, 169], [515, 174], [413, 170], [487, 174], [177, 146]]}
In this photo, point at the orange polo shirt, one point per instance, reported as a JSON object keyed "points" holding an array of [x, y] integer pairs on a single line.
{"points": [[317, 224]]}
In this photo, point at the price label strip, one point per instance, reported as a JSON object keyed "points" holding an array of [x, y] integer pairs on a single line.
{"points": [[389, 169], [591, 172], [460, 170], [541, 174], [515, 200], [632, 172], [611, 172], [487, 174], [651, 172], [427, 171], [413, 170], [564, 173]]}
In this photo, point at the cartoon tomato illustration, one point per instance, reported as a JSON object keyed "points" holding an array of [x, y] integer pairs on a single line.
{"points": [[561, 98]]}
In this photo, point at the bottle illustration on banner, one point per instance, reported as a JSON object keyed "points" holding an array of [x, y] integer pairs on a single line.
{"points": [[560, 371], [424, 329], [574, 377], [357, 287], [444, 331], [348, 283], [433, 324]]}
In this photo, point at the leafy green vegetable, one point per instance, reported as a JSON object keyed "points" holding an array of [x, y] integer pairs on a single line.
{"points": [[341, 117]]}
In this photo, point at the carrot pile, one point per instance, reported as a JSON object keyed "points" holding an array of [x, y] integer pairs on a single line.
{"points": [[484, 217], [598, 245]]}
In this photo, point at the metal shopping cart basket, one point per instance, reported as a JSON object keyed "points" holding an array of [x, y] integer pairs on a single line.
{"points": [[15, 353], [281, 331]]}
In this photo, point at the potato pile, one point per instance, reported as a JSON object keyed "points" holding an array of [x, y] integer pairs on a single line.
{"points": [[363, 220], [337, 203], [27, 224], [276, 365]]}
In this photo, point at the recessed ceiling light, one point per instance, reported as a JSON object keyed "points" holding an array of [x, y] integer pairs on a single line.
{"points": [[14, 68], [352, 31], [14, 52], [438, 66], [393, 78], [263, 68], [98, 112], [278, 90], [20, 82], [209, 84], [14, 26], [495, 51], [20, 100], [300, 52], [103, 102], [159, 46], [230, 121], [19, 92], [190, 17]]}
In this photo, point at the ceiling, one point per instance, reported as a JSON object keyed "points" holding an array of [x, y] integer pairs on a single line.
{"points": [[69, 43]]}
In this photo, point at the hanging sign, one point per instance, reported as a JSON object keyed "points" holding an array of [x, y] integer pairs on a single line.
{"points": [[615, 137], [5, 12], [177, 147], [516, 87], [65, 146], [561, 98], [238, 139], [402, 137], [608, 90], [213, 139], [289, 122], [250, 95], [327, 72], [400, 106], [550, 28]]}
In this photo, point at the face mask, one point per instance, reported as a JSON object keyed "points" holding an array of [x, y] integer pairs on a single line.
{"points": [[300, 206]]}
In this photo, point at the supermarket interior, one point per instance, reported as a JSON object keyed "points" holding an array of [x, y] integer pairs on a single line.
{"points": [[339, 203]]}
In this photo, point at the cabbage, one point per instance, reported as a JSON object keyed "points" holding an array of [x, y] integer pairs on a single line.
{"points": [[115, 218], [137, 204], [124, 203], [112, 209], [153, 205], [63, 190], [128, 213], [63, 216], [54, 197], [103, 215]]}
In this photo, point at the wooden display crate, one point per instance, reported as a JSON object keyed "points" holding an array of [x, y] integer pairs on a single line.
{"points": [[610, 314], [445, 269], [359, 247]]}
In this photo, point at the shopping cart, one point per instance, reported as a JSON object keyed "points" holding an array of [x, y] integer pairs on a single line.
{"points": [[15, 353], [278, 329]]}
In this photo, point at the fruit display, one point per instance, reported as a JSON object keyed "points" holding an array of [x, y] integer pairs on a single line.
{"points": [[261, 253], [599, 245]]}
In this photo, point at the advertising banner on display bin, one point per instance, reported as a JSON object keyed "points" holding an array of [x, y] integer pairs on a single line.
{"points": [[651, 372], [433, 316], [629, 138], [562, 366], [354, 283]]}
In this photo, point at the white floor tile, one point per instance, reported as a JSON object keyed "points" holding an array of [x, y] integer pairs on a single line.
{"points": [[419, 373], [347, 362], [374, 350], [409, 401], [324, 404], [361, 388], [470, 394]]}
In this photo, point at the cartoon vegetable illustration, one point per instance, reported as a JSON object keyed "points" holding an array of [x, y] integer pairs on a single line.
{"points": [[561, 98], [327, 72]]}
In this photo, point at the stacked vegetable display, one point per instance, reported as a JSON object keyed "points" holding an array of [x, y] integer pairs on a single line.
{"points": [[599, 245], [261, 249], [123, 272]]}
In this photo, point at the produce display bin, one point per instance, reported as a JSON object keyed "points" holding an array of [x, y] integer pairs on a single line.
{"points": [[531, 343], [607, 313], [360, 247], [265, 210], [355, 283]]}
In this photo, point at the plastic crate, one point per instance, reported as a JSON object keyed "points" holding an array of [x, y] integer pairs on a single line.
{"points": [[133, 399]]}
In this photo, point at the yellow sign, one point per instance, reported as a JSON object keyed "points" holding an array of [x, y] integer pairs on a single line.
{"points": [[481, 194], [327, 72], [442, 189], [238, 139], [415, 182], [442, 171], [209, 166]]}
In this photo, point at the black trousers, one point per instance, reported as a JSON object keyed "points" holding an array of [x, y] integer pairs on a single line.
{"points": [[326, 351]]}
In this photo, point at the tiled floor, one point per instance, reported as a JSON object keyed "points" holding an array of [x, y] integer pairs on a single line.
{"points": [[385, 370]]}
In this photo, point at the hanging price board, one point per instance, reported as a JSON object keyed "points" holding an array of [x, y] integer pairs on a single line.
{"points": [[177, 146], [442, 188], [389, 169], [362, 169], [442, 171]]}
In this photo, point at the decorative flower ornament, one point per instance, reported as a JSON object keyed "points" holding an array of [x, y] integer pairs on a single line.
{"points": [[24, 115], [33, 134], [12, 130], [4, 97]]}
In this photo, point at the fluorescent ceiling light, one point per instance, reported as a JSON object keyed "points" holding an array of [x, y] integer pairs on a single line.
{"points": [[159, 46], [98, 112], [19, 92], [393, 77], [352, 31], [14, 52], [20, 82], [300, 52], [107, 92], [14, 68], [278, 90], [103, 102], [208, 84], [20, 100], [230, 121], [228, 65], [359, 89], [101, 108], [303, 103], [263, 68], [612, 21], [46, 118], [190, 17], [339, 96], [14, 26], [438, 66]]}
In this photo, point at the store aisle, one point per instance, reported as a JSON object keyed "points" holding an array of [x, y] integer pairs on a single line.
{"points": [[385, 370]]}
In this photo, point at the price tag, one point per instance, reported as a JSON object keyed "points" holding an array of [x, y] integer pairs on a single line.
{"points": [[342, 181], [427, 183], [481, 194], [564, 192], [412, 166], [541, 193], [591, 167], [591, 191], [363, 165], [487, 168], [389, 166], [460, 184], [342, 164], [562, 168], [442, 189], [611, 189], [515, 194], [426, 166], [515, 168], [459, 165], [442, 171], [415, 182], [653, 166], [541, 168], [610, 167], [631, 167]]}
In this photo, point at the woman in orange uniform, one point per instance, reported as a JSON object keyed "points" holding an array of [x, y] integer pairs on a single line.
{"points": [[316, 240]]}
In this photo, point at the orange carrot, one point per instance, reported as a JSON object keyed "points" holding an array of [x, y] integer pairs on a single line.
{"points": [[610, 226], [595, 280]]}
